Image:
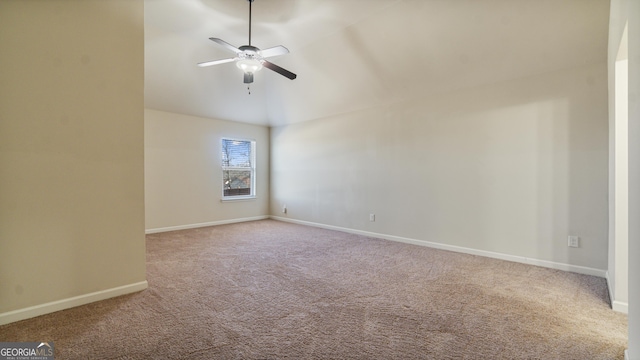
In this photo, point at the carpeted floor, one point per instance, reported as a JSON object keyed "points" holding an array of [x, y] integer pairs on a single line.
{"points": [[272, 290]]}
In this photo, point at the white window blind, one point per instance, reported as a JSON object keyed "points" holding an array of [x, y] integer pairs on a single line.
{"points": [[238, 168]]}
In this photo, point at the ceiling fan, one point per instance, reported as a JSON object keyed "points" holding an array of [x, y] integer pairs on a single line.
{"points": [[251, 59]]}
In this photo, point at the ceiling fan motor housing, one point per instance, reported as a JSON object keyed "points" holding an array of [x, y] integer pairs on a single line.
{"points": [[249, 51]]}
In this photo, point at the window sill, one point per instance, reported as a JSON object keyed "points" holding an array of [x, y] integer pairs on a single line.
{"points": [[237, 198]]}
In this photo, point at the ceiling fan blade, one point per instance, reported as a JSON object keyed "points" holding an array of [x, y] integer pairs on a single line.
{"points": [[279, 70], [226, 45], [274, 51], [215, 62]]}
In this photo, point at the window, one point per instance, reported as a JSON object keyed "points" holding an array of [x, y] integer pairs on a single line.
{"points": [[238, 169]]}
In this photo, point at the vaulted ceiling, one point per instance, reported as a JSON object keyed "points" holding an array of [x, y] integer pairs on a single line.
{"points": [[355, 54]]}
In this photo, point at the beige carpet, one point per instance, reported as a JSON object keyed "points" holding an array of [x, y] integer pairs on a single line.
{"points": [[272, 290]]}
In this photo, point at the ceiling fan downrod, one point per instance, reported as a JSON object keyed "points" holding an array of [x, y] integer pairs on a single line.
{"points": [[250, 1]]}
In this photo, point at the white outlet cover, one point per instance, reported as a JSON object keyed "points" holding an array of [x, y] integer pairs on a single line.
{"points": [[574, 241]]}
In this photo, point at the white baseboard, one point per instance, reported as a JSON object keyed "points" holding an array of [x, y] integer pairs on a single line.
{"points": [[33, 311], [460, 249], [199, 225], [611, 297], [619, 306]]}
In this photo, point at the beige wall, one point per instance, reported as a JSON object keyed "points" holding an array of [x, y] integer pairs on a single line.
{"points": [[71, 150], [511, 168], [634, 179], [183, 178]]}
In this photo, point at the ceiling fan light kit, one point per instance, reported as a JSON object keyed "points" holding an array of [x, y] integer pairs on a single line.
{"points": [[251, 59], [249, 65]]}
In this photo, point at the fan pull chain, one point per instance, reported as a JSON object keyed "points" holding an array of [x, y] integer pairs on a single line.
{"points": [[249, 89]]}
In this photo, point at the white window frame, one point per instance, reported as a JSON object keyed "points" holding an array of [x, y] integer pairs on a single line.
{"points": [[252, 168]]}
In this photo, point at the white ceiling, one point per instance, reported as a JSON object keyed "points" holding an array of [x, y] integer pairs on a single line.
{"points": [[355, 54]]}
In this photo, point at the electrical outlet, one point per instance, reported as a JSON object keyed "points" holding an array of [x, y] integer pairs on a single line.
{"points": [[284, 209], [574, 241], [372, 217]]}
